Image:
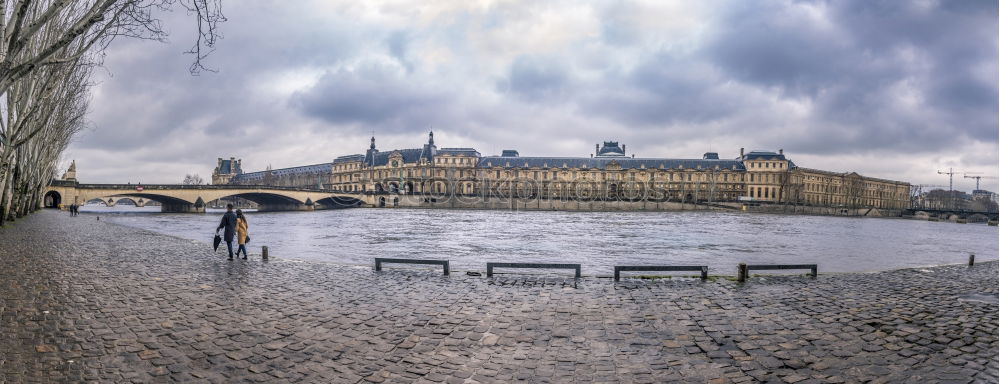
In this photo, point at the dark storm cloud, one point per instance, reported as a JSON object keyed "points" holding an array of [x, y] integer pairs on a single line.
{"points": [[535, 79], [374, 96], [908, 83], [857, 60], [398, 44], [661, 90]]}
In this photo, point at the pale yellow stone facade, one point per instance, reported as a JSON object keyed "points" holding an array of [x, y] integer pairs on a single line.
{"points": [[608, 174]]}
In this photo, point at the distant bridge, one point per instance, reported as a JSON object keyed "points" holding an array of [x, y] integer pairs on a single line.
{"points": [[194, 198], [948, 214]]}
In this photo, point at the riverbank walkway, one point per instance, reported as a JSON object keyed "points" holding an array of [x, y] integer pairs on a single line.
{"points": [[84, 300]]}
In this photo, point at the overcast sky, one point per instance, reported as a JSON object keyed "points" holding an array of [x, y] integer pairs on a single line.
{"points": [[892, 89]]}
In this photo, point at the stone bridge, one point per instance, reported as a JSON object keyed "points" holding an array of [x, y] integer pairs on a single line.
{"points": [[194, 198], [951, 214]]}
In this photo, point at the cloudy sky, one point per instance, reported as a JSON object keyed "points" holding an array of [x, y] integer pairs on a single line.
{"points": [[892, 89]]}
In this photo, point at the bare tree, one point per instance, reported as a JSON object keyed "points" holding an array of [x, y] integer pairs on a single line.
{"points": [[193, 180], [48, 49]]}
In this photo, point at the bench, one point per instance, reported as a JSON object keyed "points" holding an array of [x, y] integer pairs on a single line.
{"points": [[380, 260], [490, 266], [660, 268], [744, 270]]}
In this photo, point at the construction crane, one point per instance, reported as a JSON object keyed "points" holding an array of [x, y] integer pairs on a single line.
{"points": [[977, 177], [951, 175]]}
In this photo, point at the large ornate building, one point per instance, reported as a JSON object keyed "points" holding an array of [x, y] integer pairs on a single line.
{"points": [[608, 174]]}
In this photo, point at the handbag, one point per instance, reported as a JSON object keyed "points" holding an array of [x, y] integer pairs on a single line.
{"points": [[248, 239]]}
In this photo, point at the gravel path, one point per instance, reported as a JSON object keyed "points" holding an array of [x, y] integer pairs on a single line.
{"points": [[83, 300]]}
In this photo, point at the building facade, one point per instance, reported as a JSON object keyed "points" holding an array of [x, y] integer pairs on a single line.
{"points": [[226, 170], [607, 174]]}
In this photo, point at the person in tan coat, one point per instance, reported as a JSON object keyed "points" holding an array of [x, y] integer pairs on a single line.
{"points": [[241, 233]]}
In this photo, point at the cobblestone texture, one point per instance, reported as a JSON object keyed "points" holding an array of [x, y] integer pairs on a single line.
{"points": [[82, 300]]}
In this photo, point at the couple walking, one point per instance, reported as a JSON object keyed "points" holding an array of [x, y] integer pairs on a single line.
{"points": [[234, 224]]}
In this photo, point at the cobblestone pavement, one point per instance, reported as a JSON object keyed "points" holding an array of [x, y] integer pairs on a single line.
{"points": [[82, 300]]}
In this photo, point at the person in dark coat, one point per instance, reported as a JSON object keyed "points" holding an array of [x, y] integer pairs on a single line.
{"points": [[229, 223]]}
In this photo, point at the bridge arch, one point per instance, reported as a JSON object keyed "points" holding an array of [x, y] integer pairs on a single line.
{"points": [[135, 200], [335, 202], [52, 199], [97, 200], [264, 198], [162, 199]]}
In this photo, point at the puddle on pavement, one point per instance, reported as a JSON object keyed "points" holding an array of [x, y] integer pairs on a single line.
{"points": [[988, 298]]}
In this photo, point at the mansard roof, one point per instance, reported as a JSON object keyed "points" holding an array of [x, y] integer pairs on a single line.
{"points": [[348, 159], [764, 155], [228, 166], [302, 170], [458, 151], [411, 155], [603, 162], [611, 148]]}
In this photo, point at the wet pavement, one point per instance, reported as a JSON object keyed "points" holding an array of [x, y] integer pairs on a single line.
{"points": [[82, 300]]}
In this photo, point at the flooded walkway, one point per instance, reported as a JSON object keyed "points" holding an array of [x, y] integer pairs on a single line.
{"points": [[85, 300]]}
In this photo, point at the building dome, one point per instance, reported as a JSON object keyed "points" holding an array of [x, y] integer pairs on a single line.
{"points": [[611, 149]]}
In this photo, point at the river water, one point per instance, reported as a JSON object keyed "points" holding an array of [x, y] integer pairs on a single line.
{"points": [[597, 240]]}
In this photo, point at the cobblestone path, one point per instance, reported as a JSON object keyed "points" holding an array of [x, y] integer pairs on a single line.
{"points": [[82, 300]]}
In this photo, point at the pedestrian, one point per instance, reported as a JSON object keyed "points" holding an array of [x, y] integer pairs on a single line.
{"points": [[229, 223], [241, 233]]}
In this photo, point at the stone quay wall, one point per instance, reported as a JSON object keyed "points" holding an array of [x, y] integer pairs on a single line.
{"points": [[537, 204]]}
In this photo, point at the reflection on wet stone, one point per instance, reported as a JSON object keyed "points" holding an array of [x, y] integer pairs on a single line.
{"points": [[81, 301]]}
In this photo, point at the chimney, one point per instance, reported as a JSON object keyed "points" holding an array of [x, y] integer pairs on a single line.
{"points": [[741, 152], [781, 151], [597, 149]]}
